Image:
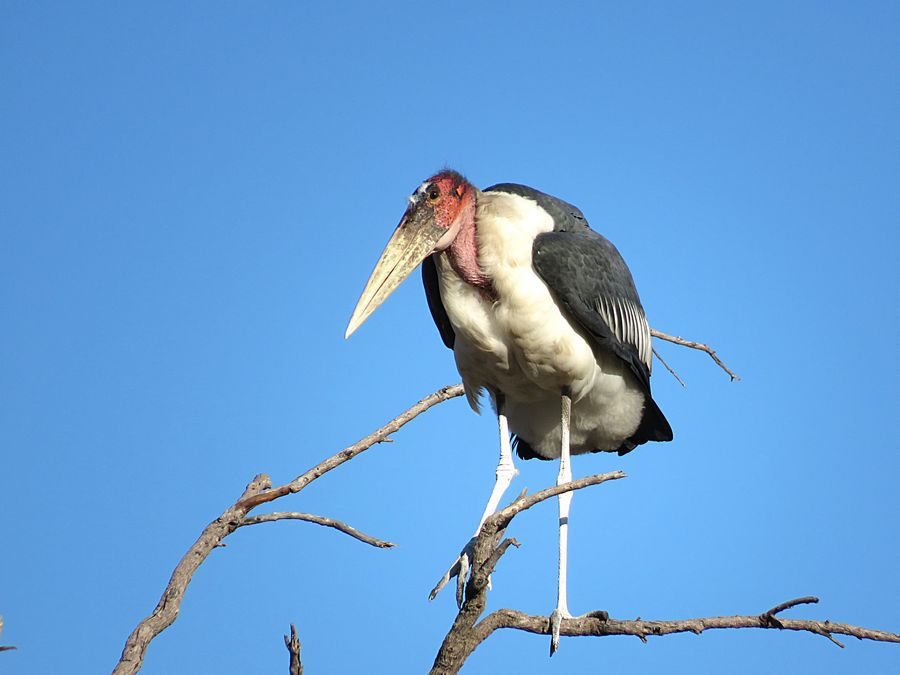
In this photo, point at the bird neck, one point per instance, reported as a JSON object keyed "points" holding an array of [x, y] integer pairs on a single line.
{"points": [[463, 251]]}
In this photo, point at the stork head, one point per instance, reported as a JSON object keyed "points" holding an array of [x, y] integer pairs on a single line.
{"points": [[437, 210]]}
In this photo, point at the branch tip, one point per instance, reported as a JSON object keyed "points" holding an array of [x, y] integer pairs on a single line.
{"points": [[694, 345], [668, 367], [318, 520], [805, 600], [293, 646]]}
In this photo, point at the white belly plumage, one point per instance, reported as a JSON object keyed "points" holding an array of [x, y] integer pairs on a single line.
{"points": [[522, 345]]}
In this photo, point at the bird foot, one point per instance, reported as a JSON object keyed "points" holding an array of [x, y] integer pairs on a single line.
{"points": [[459, 569], [556, 618]]}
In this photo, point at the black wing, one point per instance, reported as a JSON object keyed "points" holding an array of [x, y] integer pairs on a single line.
{"points": [[589, 277], [591, 281], [433, 294]]}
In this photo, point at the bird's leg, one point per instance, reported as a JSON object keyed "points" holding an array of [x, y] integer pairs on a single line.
{"points": [[506, 471], [565, 500]]}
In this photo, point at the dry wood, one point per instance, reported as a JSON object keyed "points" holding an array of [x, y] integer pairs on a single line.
{"points": [[259, 491], [690, 344], [668, 367], [467, 632], [318, 520], [590, 626], [293, 645]]}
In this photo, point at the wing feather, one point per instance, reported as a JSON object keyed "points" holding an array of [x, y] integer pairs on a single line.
{"points": [[588, 275], [435, 304]]}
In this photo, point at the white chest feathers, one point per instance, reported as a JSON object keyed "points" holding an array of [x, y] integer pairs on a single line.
{"points": [[519, 342]]}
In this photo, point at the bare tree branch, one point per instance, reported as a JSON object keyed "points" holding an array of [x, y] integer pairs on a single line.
{"points": [[293, 645], [318, 520], [590, 626], [467, 632], [769, 617], [463, 637], [694, 345], [502, 518], [347, 454], [259, 491]]}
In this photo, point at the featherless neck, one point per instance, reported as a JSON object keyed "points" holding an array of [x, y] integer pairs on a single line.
{"points": [[463, 252]]}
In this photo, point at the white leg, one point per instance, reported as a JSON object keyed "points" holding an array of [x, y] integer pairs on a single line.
{"points": [[506, 471], [565, 501]]}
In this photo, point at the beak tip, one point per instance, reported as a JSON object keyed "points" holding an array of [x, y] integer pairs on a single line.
{"points": [[352, 326]]}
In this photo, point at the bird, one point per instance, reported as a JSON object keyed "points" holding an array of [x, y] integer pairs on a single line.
{"points": [[542, 314]]}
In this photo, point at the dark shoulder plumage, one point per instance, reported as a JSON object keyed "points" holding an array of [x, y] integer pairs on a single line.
{"points": [[566, 217]]}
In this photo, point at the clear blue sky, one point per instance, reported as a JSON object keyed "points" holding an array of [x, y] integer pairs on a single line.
{"points": [[192, 200]]}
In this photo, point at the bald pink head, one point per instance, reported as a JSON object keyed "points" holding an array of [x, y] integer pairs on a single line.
{"points": [[450, 198], [453, 199]]}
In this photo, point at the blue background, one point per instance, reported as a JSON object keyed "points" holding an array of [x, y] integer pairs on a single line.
{"points": [[193, 197]]}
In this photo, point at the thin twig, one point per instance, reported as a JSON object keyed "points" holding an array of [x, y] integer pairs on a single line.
{"points": [[773, 622], [318, 520], [502, 518], [695, 345], [293, 645], [349, 453], [668, 367], [805, 600]]}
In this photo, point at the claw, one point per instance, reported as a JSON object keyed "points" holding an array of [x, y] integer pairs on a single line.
{"points": [[556, 618], [555, 622], [459, 569], [464, 566]]}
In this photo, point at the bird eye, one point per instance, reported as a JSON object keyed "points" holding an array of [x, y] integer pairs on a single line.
{"points": [[433, 194]]}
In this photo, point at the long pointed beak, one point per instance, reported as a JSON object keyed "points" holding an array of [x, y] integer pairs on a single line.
{"points": [[412, 241]]}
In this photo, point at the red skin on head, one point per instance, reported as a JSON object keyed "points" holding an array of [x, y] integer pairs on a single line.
{"points": [[453, 188], [455, 208]]}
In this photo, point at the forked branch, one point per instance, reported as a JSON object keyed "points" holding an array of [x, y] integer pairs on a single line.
{"points": [[259, 491], [295, 665], [591, 626], [692, 345], [467, 632], [318, 520]]}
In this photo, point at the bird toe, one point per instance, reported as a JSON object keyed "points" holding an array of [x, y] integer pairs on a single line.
{"points": [[460, 570]]}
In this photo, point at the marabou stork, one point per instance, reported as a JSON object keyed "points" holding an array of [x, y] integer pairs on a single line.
{"points": [[542, 313]]}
